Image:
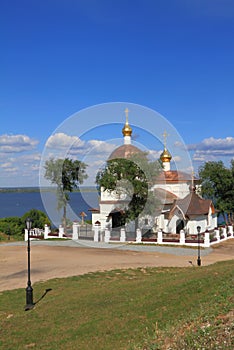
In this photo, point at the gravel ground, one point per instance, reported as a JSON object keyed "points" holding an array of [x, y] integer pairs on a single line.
{"points": [[179, 251], [52, 259]]}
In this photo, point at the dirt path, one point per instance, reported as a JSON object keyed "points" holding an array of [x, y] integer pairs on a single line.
{"points": [[55, 261]]}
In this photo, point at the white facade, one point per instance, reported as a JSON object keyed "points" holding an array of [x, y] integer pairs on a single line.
{"points": [[175, 186]]}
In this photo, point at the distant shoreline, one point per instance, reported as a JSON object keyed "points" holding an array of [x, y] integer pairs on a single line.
{"points": [[42, 189]]}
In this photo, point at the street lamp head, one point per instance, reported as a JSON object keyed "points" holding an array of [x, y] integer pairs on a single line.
{"points": [[28, 223], [198, 229]]}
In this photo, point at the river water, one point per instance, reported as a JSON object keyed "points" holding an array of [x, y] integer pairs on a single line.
{"points": [[18, 203]]}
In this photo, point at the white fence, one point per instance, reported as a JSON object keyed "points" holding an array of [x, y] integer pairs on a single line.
{"points": [[205, 239]]}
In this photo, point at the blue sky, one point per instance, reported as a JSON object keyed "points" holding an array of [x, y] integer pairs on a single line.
{"points": [[59, 57]]}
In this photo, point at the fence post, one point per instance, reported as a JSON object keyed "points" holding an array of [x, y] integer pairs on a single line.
{"points": [[217, 235], [122, 235], [138, 235], [75, 230], [160, 237], [31, 232], [46, 231], [96, 232], [107, 235], [230, 230], [61, 231], [182, 237], [224, 232], [207, 239]]}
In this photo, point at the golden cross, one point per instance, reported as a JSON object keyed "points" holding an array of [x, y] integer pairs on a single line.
{"points": [[126, 113], [165, 134]]}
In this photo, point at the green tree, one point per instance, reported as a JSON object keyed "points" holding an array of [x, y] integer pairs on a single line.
{"points": [[132, 177], [38, 217], [66, 174], [12, 226], [217, 183]]}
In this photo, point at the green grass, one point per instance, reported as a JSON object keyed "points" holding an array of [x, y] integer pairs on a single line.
{"points": [[150, 308]]}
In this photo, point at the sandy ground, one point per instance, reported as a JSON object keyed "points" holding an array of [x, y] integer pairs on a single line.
{"points": [[55, 261]]}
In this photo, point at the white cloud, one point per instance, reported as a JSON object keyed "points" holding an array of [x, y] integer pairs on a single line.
{"points": [[6, 165], [154, 155], [74, 145], [210, 149], [16, 143], [176, 159], [100, 147], [22, 169], [64, 141], [211, 144], [11, 170]]}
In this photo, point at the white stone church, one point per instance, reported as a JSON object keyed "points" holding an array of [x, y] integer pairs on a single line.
{"points": [[182, 207]]}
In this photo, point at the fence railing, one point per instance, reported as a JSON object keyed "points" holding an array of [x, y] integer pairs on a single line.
{"points": [[95, 233]]}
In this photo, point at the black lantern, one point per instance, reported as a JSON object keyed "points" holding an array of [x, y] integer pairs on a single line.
{"points": [[198, 246], [29, 289]]}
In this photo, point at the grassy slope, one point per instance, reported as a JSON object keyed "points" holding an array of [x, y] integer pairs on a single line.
{"points": [[153, 308]]}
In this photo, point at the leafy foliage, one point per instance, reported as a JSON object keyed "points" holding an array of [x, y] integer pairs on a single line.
{"points": [[66, 174], [133, 177], [38, 217], [218, 185], [11, 226], [14, 226]]}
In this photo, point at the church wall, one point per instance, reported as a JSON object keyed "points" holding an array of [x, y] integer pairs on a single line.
{"points": [[171, 225], [112, 195], [214, 221], [190, 225], [198, 221], [181, 190], [146, 222], [99, 217]]}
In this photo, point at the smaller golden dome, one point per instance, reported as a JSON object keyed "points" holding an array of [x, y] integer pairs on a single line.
{"points": [[127, 130], [165, 156]]}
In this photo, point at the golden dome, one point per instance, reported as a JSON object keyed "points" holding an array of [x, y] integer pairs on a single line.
{"points": [[165, 156], [127, 130]]}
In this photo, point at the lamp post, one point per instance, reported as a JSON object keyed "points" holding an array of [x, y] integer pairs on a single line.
{"points": [[29, 289], [198, 247]]}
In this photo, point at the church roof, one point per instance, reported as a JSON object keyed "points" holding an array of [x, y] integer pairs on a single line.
{"points": [[174, 176], [193, 205], [114, 201], [124, 151], [165, 196], [94, 210]]}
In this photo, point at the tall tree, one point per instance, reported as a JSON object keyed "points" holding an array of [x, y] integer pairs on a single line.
{"points": [[217, 183], [67, 174], [133, 178], [38, 217]]}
